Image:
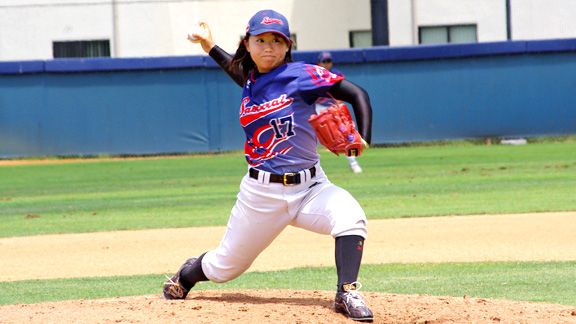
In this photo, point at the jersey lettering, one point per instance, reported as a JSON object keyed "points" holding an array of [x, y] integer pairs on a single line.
{"points": [[249, 114]]}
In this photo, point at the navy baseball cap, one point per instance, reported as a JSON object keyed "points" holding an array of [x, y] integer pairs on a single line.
{"points": [[265, 21], [324, 56]]}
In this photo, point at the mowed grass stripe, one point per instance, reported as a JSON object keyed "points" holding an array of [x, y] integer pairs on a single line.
{"points": [[200, 190], [524, 281]]}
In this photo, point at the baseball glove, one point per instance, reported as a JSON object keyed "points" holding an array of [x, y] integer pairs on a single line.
{"points": [[335, 130]]}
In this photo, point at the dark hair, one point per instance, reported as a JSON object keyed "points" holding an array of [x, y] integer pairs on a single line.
{"points": [[242, 62]]}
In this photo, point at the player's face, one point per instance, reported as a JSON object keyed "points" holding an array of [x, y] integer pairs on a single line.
{"points": [[326, 64], [267, 50]]}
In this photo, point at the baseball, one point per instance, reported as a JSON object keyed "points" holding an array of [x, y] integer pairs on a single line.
{"points": [[197, 30]]}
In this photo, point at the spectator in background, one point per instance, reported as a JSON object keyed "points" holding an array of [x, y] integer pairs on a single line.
{"points": [[325, 61]]}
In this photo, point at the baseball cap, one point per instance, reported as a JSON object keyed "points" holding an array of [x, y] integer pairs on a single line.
{"points": [[265, 21], [324, 56]]}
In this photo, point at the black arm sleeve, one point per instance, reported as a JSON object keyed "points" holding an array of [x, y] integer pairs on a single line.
{"points": [[360, 101], [224, 59]]}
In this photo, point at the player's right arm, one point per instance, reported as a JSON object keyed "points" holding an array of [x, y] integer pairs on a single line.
{"points": [[224, 59], [204, 37]]}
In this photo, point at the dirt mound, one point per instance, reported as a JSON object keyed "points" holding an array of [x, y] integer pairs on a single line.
{"points": [[447, 239], [407, 240], [284, 306]]}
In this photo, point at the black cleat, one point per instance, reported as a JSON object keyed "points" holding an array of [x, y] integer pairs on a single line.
{"points": [[172, 288], [351, 303]]}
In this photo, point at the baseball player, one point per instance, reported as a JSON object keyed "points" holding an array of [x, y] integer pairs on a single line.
{"points": [[285, 183], [325, 61]]}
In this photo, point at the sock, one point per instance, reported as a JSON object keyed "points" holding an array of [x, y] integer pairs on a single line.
{"points": [[189, 276], [348, 258]]}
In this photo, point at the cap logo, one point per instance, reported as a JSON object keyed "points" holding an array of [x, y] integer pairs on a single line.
{"points": [[270, 21]]}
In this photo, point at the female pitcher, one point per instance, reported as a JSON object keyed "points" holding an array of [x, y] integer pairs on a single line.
{"points": [[285, 183]]}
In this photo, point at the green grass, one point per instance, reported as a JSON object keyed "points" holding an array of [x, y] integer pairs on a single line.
{"points": [[448, 180], [531, 281], [411, 181], [117, 195], [200, 190], [407, 181]]}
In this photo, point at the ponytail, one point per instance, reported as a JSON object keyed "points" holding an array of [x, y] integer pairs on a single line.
{"points": [[242, 63]]}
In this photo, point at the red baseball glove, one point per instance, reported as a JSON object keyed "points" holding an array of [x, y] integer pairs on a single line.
{"points": [[336, 131]]}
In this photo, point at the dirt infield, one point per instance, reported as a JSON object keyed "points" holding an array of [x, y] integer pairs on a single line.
{"points": [[519, 237], [527, 237], [284, 306]]}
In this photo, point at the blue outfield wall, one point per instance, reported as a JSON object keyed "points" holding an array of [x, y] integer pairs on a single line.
{"points": [[187, 104]]}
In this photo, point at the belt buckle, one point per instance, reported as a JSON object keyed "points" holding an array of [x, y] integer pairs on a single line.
{"points": [[285, 179]]}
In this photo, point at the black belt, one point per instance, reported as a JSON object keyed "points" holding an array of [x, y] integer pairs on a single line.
{"points": [[291, 178]]}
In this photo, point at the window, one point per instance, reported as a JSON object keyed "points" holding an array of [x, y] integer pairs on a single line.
{"points": [[448, 34], [360, 38], [94, 48]]}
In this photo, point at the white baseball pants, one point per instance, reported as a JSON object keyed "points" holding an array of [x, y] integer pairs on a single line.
{"points": [[263, 210]]}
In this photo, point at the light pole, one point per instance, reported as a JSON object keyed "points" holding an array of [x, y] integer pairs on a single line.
{"points": [[379, 15], [413, 12], [115, 43], [508, 21]]}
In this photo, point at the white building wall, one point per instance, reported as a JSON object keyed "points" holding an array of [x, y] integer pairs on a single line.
{"points": [[138, 28], [488, 15], [27, 32], [401, 22], [543, 19], [318, 24], [325, 24]]}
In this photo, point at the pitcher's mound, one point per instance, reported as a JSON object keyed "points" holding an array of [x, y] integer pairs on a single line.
{"points": [[284, 306]]}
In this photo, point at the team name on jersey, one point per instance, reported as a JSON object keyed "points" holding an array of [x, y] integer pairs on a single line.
{"points": [[248, 114]]}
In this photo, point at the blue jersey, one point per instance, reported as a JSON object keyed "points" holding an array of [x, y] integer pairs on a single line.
{"points": [[337, 72], [274, 114], [323, 103]]}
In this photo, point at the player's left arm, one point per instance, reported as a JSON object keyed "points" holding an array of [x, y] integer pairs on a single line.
{"points": [[357, 97]]}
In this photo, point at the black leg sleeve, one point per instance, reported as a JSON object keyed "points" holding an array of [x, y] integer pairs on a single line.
{"points": [[349, 251], [189, 276]]}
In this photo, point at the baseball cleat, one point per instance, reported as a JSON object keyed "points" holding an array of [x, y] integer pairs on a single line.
{"points": [[355, 167], [351, 303], [172, 287]]}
